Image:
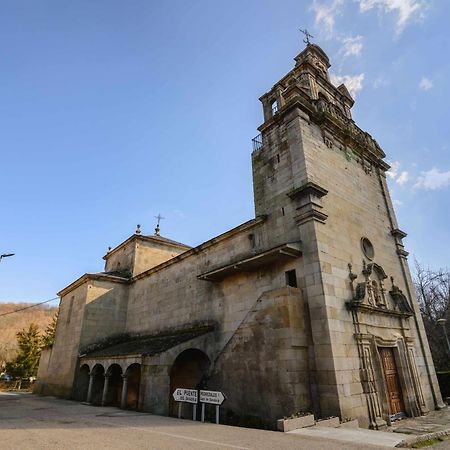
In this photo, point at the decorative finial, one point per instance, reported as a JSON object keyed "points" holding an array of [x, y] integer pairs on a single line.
{"points": [[307, 36], [157, 229], [138, 229], [109, 249]]}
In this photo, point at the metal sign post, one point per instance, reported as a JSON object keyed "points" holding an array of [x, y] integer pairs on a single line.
{"points": [[186, 396], [193, 396], [212, 398], [203, 412]]}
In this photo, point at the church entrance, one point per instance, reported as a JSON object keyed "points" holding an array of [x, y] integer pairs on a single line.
{"points": [[394, 392], [188, 371]]}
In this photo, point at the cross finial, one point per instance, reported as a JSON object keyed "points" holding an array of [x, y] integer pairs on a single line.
{"points": [[307, 36], [157, 229]]}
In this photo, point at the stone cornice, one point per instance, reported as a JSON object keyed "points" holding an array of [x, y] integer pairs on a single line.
{"points": [[309, 188], [355, 306], [346, 129], [89, 277], [140, 237], [193, 251], [397, 233], [330, 119]]}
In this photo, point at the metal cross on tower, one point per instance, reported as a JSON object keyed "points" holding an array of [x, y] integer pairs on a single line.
{"points": [[307, 36], [157, 229]]}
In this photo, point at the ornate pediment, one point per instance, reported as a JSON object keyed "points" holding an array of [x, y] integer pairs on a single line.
{"points": [[370, 294]]}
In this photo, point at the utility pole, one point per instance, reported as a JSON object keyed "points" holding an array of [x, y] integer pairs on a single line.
{"points": [[443, 322]]}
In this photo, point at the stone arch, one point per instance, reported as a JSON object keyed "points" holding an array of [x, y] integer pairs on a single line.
{"points": [[98, 374], [115, 383], [133, 380], [189, 370], [82, 384]]}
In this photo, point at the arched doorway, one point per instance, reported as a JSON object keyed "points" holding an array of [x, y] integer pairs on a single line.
{"points": [[188, 371], [82, 384], [115, 383], [133, 375], [98, 372]]}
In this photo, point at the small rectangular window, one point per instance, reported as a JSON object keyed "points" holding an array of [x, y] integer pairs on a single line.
{"points": [[274, 107], [291, 278]]}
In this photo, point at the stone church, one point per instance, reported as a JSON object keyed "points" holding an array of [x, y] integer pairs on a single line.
{"points": [[308, 307]]}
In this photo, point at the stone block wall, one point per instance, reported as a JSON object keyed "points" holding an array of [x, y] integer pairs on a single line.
{"points": [[56, 370]]}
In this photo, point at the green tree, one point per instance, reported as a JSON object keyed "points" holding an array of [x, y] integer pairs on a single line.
{"points": [[27, 361], [48, 337]]}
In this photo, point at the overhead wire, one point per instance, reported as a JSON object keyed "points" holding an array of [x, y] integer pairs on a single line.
{"points": [[28, 307]]}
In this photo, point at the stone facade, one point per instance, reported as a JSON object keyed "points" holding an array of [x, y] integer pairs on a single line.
{"points": [[309, 307]]}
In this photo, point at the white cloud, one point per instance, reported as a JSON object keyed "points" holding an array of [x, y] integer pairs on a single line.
{"points": [[407, 10], [397, 202], [380, 82], [432, 180], [354, 83], [352, 46], [402, 178], [326, 13], [393, 171], [425, 84]]}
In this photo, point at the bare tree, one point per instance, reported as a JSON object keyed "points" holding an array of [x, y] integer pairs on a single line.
{"points": [[433, 293]]}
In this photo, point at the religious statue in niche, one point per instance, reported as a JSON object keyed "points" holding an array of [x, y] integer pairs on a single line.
{"points": [[371, 291]]}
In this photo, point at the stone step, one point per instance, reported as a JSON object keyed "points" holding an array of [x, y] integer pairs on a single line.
{"points": [[353, 435]]}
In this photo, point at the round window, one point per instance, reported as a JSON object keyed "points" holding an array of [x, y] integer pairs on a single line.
{"points": [[367, 248]]}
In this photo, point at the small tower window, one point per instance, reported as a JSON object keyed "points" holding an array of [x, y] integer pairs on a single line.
{"points": [[274, 107], [291, 278]]}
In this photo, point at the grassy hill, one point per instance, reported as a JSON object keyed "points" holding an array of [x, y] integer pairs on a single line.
{"points": [[10, 324]]}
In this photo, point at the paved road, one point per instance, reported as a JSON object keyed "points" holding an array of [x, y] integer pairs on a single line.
{"points": [[31, 422]]}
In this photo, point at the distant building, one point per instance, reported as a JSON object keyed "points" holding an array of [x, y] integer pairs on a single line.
{"points": [[307, 307]]}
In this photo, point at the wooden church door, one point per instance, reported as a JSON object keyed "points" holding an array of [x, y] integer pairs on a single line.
{"points": [[392, 380]]}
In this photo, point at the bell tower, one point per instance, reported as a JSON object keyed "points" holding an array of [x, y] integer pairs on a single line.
{"points": [[320, 179]]}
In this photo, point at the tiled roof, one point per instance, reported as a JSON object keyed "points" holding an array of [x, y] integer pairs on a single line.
{"points": [[148, 345]]}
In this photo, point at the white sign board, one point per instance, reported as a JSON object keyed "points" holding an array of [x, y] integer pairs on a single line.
{"points": [[213, 397], [185, 395]]}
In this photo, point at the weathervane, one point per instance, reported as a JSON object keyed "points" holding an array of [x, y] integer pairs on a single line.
{"points": [[157, 229], [307, 36]]}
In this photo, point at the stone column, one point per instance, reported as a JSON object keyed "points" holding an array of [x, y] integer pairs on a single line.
{"points": [[91, 383], [105, 389], [123, 399]]}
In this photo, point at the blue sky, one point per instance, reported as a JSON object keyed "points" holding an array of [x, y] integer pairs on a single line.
{"points": [[114, 111]]}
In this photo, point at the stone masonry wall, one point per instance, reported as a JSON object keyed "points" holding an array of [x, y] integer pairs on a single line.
{"points": [[105, 311], [356, 208], [264, 367], [149, 254], [56, 375]]}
